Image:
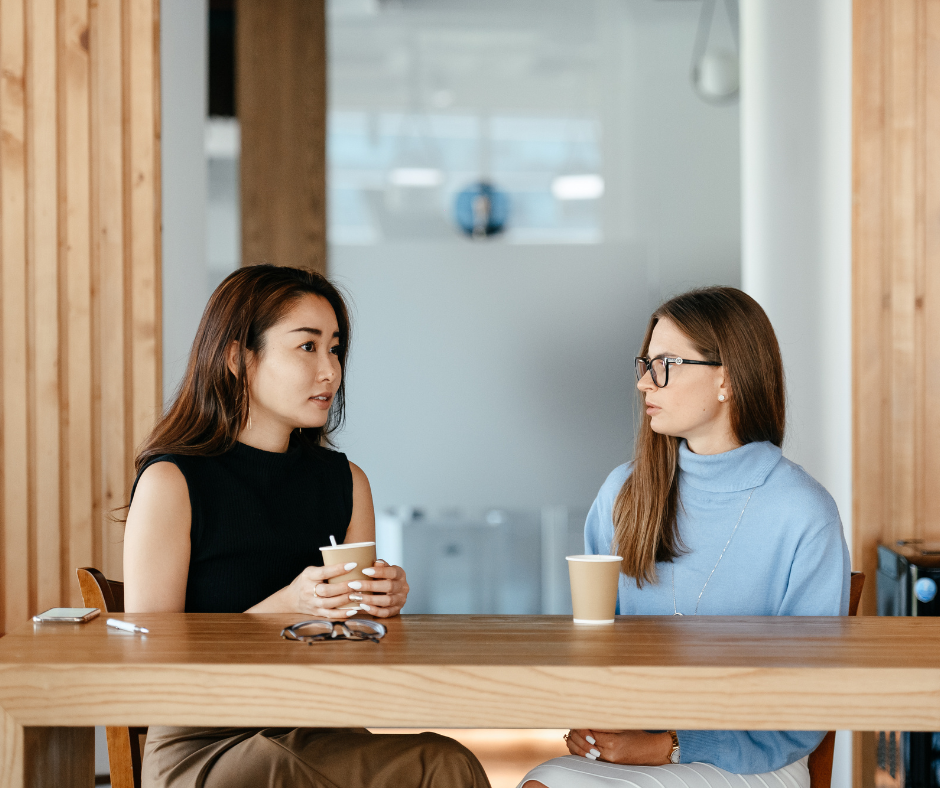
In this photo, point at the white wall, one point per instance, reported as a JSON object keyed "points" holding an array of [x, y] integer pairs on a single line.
{"points": [[491, 375], [796, 198], [686, 154], [183, 69]]}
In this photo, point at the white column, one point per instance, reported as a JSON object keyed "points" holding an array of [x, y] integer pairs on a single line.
{"points": [[796, 110], [184, 100]]}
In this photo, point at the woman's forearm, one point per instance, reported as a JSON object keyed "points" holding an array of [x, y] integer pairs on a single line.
{"points": [[747, 752], [279, 602]]}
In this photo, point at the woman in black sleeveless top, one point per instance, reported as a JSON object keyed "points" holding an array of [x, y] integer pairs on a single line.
{"points": [[236, 491]]}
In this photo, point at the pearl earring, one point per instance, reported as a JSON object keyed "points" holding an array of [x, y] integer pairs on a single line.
{"points": [[721, 397]]}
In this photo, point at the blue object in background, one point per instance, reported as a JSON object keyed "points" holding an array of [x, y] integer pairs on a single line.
{"points": [[482, 210], [925, 589]]}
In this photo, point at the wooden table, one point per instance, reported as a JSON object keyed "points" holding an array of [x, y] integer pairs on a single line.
{"points": [[461, 672]]}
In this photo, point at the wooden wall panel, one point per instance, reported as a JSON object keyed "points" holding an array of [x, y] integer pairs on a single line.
{"points": [[281, 107], [110, 303], [79, 271], [931, 285], [13, 424], [896, 295], [42, 233], [142, 213], [75, 214], [896, 287]]}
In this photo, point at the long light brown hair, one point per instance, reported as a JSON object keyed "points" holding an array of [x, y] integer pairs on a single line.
{"points": [[725, 325], [211, 406]]}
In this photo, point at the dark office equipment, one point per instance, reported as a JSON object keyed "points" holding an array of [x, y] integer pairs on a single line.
{"points": [[908, 583]]}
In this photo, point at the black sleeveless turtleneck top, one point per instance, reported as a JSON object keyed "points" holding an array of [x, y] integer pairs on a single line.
{"points": [[259, 519]]}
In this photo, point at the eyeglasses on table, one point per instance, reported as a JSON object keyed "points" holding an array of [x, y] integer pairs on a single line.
{"points": [[320, 631]]}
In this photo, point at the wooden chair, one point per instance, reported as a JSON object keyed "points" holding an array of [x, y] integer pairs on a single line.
{"points": [[820, 759], [125, 745]]}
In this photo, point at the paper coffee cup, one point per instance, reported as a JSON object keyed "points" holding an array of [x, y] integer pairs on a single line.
{"points": [[363, 553], [594, 581]]}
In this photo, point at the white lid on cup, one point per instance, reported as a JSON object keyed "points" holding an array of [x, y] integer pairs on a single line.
{"points": [[596, 558], [344, 546]]}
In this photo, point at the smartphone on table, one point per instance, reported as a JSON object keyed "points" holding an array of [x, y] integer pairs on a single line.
{"points": [[72, 615]]}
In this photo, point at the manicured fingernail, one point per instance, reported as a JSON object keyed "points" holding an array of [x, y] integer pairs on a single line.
{"points": [[591, 757], [355, 585], [350, 565], [595, 753], [355, 597], [368, 572], [365, 607], [352, 612], [590, 740]]}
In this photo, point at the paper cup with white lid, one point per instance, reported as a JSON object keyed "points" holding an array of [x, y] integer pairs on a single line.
{"points": [[594, 582], [360, 553]]}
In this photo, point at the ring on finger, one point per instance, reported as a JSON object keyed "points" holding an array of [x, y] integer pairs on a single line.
{"points": [[315, 591]]}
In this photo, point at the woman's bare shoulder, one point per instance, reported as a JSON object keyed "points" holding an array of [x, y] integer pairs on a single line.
{"points": [[161, 493], [157, 541], [162, 476], [359, 475]]}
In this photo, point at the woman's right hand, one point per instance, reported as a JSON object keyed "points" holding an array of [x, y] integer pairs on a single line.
{"points": [[311, 595]]}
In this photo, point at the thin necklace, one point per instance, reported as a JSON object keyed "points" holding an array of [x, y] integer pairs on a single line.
{"points": [[674, 608]]}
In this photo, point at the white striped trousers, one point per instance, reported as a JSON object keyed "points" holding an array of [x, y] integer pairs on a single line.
{"points": [[573, 771]]}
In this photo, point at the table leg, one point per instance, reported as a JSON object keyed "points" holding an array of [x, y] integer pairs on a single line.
{"points": [[46, 756], [11, 752]]}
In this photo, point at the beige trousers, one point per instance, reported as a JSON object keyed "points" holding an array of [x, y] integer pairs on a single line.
{"points": [[305, 758]]}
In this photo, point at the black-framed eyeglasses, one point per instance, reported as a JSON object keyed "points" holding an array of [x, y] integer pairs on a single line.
{"points": [[320, 630], [659, 367]]}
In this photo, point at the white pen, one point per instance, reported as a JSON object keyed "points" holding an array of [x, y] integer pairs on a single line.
{"points": [[127, 626]]}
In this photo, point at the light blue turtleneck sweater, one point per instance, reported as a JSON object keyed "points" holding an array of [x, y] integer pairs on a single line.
{"points": [[788, 557]]}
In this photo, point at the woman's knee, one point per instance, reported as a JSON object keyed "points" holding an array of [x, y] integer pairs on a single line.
{"points": [[448, 760], [444, 747]]}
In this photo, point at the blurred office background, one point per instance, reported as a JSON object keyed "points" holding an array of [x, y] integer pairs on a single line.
{"points": [[491, 386], [490, 382]]}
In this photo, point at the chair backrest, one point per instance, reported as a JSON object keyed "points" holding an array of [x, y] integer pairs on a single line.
{"points": [[820, 759], [125, 745], [98, 591]]}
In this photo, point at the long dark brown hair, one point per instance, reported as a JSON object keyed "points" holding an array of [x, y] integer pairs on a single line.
{"points": [[725, 325], [211, 406]]}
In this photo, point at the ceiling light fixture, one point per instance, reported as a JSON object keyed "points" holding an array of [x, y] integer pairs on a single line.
{"points": [[578, 187], [422, 177]]}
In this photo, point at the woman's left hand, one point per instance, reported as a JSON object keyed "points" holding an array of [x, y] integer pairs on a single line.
{"points": [[385, 595], [636, 748]]}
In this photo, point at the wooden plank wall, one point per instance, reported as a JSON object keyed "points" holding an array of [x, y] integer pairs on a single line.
{"points": [[896, 279], [896, 287], [281, 107], [80, 279]]}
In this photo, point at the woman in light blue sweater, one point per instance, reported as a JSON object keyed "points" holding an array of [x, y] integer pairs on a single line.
{"points": [[710, 519]]}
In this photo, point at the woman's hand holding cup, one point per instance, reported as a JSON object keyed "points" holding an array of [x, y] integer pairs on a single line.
{"points": [[311, 594], [385, 594]]}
